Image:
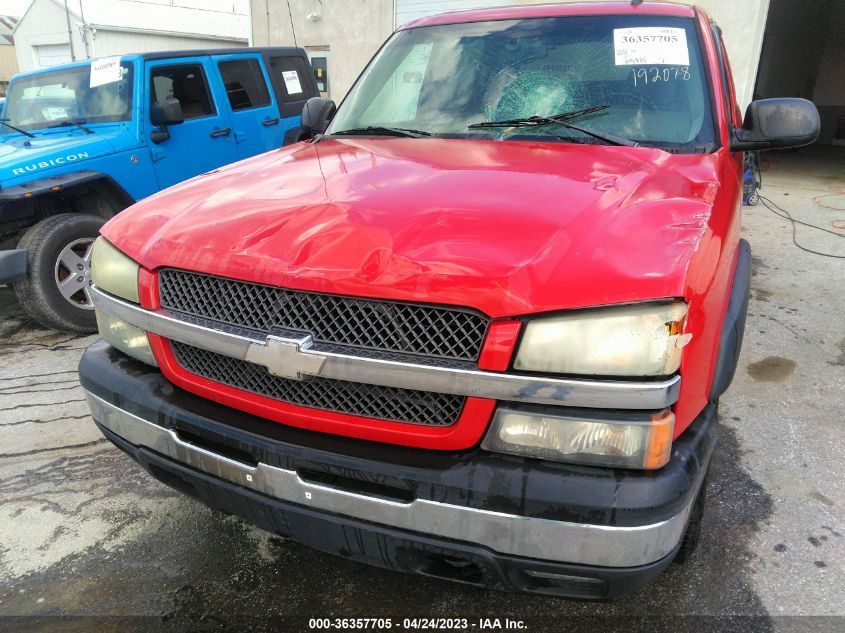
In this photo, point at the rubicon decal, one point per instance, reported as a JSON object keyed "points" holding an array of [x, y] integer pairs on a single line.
{"points": [[52, 162]]}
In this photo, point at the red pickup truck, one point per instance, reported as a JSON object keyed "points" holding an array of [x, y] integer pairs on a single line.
{"points": [[475, 324]]}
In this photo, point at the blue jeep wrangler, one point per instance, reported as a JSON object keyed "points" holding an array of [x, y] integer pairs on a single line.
{"points": [[84, 141]]}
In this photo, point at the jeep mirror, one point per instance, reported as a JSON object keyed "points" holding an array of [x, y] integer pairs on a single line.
{"points": [[163, 113], [777, 123], [167, 112], [316, 115]]}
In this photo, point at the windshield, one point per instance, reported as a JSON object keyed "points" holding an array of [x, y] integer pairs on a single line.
{"points": [[49, 99], [442, 79]]}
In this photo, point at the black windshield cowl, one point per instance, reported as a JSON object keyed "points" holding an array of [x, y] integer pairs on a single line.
{"points": [[377, 130], [563, 120], [77, 122]]}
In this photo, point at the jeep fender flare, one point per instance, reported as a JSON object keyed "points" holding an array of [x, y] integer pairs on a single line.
{"points": [[57, 185]]}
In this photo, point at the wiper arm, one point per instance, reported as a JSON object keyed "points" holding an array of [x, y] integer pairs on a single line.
{"points": [[381, 130], [541, 120], [77, 122], [16, 129], [602, 136], [564, 121]]}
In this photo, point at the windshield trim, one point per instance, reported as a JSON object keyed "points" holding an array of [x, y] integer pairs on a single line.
{"points": [[694, 16]]}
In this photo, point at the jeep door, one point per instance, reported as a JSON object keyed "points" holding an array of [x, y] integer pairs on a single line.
{"points": [[256, 123], [204, 140], [292, 81]]}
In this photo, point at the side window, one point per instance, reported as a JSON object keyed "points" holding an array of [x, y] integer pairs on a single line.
{"points": [[290, 78], [244, 84], [185, 82], [398, 99]]}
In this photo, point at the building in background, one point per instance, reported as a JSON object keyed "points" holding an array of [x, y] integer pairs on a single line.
{"points": [[778, 48], [8, 58], [340, 36], [54, 32]]}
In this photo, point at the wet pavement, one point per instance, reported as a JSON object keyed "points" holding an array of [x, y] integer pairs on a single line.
{"points": [[84, 532]]}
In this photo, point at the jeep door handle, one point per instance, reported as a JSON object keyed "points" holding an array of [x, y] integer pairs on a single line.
{"points": [[224, 132], [268, 121]]}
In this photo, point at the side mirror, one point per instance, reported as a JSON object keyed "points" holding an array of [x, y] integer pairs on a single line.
{"points": [[317, 114], [163, 113], [167, 112], [777, 123]]}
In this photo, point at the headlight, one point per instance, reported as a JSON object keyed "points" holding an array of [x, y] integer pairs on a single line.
{"points": [[620, 440], [632, 340], [114, 272], [117, 274]]}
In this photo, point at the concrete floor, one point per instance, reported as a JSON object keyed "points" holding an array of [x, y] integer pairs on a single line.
{"points": [[84, 532]]}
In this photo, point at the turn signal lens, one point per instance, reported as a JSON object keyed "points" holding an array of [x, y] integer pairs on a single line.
{"points": [[620, 440]]}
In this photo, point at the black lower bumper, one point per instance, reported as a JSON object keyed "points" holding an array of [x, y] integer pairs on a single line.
{"points": [[483, 482]]}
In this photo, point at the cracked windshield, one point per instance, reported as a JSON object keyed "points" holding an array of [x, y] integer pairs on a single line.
{"points": [[640, 77]]}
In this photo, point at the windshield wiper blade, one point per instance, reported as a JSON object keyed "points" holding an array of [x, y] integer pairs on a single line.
{"points": [[16, 129], [541, 120], [381, 130], [564, 121], [77, 122]]}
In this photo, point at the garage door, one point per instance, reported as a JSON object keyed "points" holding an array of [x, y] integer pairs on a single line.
{"points": [[412, 9], [52, 55]]}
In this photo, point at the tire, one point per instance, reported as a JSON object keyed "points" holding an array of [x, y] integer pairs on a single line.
{"points": [[693, 532], [58, 252]]}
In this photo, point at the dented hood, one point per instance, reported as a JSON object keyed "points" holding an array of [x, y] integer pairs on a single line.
{"points": [[509, 228]]}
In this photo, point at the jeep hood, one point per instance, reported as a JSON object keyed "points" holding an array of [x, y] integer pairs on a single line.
{"points": [[509, 228], [49, 150]]}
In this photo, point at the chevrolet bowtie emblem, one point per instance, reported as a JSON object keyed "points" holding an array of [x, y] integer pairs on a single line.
{"points": [[286, 357]]}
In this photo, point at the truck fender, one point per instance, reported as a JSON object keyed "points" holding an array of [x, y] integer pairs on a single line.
{"points": [[734, 324]]}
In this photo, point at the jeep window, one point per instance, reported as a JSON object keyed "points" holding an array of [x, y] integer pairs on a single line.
{"points": [[46, 99], [441, 79], [293, 71], [185, 82], [245, 85]]}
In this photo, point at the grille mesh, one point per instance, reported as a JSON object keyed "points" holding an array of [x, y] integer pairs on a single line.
{"points": [[372, 401], [447, 333]]}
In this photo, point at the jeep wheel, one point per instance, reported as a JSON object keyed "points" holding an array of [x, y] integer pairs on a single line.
{"points": [[55, 291]]}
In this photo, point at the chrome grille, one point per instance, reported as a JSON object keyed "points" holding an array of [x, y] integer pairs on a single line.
{"points": [[372, 401], [448, 333]]}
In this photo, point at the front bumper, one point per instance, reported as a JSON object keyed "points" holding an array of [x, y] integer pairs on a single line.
{"points": [[485, 519], [12, 265]]}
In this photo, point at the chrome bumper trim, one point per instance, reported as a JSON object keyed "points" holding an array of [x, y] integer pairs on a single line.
{"points": [[544, 539], [607, 394]]}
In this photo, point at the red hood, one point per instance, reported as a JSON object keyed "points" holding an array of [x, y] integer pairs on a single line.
{"points": [[506, 227]]}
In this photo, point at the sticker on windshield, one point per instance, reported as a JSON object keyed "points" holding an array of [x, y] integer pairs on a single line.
{"points": [[292, 84], [105, 71], [650, 45]]}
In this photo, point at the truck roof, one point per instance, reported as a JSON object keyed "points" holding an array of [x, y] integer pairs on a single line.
{"points": [[551, 10]]}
